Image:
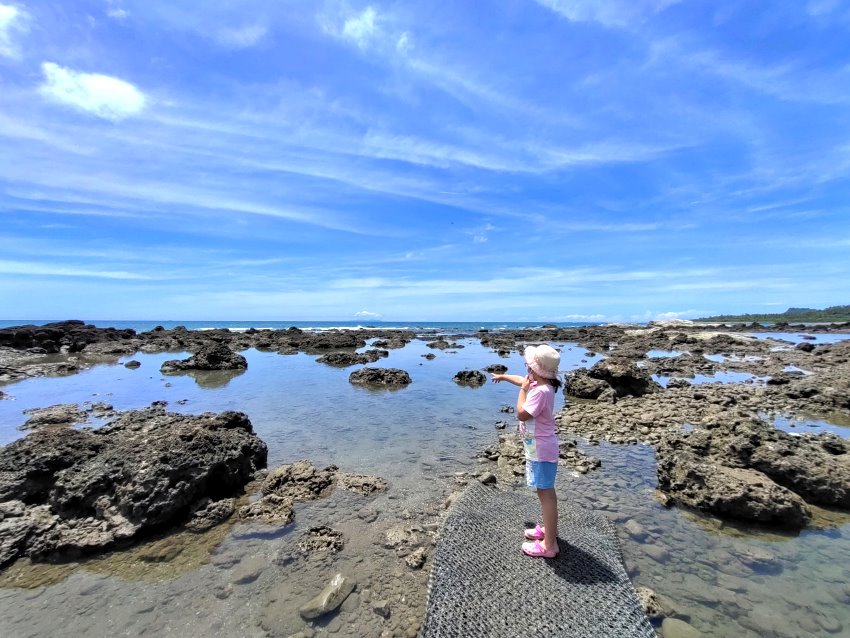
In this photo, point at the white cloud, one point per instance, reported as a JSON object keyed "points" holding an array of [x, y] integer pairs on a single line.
{"points": [[821, 7], [13, 21], [361, 29], [116, 11], [684, 314], [243, 37], [404, 44], [101, 95], [365, 314], [610, 13]]}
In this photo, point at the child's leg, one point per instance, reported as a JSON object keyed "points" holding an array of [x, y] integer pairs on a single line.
{"points": [[549, 505]]}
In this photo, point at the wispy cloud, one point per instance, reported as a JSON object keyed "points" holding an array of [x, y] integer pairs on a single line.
{"points": [[789, 80], [14, 22], [242, 37], [101, 95], [362, 28], [35, 268], [116, 10], [610, 13]]}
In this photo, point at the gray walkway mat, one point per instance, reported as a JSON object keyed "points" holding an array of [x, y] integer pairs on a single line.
{"points": [[481, 583]]}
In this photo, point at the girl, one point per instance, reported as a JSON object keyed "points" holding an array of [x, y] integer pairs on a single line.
{"points": [[535, 409]]}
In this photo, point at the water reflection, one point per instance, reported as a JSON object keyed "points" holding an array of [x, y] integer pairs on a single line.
{"points": [[212, 378]]}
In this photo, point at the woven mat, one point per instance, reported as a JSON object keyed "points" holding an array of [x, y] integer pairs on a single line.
{"points": [[481, 584]]}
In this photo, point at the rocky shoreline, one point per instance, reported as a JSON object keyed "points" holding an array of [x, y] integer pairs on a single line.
{"points": [[698, 430], [717, 449]]}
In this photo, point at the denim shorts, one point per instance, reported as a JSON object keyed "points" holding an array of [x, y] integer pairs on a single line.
{"points": [[540, 474]]}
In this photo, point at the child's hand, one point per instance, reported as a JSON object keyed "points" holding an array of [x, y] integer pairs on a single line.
{"points": [[526, 383], [497, 377]]}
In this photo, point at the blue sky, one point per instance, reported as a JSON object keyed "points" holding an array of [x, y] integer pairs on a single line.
{"points": [[546, 160]]}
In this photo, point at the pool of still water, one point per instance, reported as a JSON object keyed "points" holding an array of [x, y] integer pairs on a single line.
{"points": [[726, 580]]}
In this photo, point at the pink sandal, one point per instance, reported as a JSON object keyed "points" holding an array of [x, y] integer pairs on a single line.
{"points": [[536, 548], [536, 534]]}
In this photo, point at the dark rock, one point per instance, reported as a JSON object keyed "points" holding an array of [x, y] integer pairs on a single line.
{"points": [[217, 356], [753, 471], [473, 378], [442, 344], [344, 359], [496, 368], [624, 377], [805, 346], [68, 336], [729, 492], [132, 364], [582, 386], [380, 377], [429, 356], [782, 378], [141, 472]]}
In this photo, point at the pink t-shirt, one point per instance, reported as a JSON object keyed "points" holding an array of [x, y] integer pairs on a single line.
{"points": [[540, 437]]}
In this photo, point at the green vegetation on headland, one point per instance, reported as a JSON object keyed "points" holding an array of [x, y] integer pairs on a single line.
{"points": [[833, 314]]}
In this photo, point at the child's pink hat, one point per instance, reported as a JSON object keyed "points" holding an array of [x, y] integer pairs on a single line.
{"points": [[544, 360]]}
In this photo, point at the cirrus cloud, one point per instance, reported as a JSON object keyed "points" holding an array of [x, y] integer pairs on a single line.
{"points": [[102, 95], [13, 21]]}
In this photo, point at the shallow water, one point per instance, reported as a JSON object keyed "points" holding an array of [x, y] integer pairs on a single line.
{"points": [[805, 425], [717, 377], [249, 581], [816, 338]]}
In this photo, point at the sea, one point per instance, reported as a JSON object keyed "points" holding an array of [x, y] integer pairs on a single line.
{"points": [[459, 327], [723, 579]]}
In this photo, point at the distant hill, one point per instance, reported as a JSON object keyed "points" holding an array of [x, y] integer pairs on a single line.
{"points": [[835, 314]]}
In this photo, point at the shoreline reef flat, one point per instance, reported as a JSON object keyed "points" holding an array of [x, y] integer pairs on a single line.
{"points": [[737, 435]]}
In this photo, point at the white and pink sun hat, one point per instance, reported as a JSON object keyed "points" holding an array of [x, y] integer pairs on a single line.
{"points": [[544, 360]]}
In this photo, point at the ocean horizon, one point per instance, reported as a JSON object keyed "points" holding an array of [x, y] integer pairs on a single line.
{"points": [[354, 324]]}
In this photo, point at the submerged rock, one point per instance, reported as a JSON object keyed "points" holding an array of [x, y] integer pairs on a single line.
{"points": [[321, 539], [271, 509], [85, 490], [360, 483], [64, 414], [331, 597], [300, 481]]}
